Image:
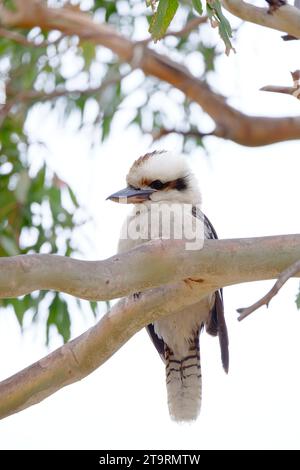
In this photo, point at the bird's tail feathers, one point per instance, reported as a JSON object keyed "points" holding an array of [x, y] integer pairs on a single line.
{"points": [[183, 376]]}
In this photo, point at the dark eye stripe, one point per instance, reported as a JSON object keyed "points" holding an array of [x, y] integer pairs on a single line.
{"points": [[180, 184]]}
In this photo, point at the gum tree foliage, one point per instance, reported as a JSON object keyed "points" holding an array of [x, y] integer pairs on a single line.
{"points": [[37, 209]]}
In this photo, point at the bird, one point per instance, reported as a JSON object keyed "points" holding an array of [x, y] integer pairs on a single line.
{"points": [[155, 179]]}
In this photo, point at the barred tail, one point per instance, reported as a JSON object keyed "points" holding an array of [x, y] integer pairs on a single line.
{"points": [[183, 375]]}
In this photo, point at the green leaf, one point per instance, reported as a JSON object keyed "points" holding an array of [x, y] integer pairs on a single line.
{"points": [[217, 6], [298, 300], [215, 13], [22, 187], [21, 306], [209, 56], [89, 53], [9, 245], [55, 201], [198, 6], [162, 18], [106, 123], [10, 5], [110, 9], [226, 37], [73, 197], [94, 308], [59, 317]]}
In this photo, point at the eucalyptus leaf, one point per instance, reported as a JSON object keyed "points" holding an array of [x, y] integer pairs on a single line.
{"points": [[298, 300], [60, 318], [162, 18], [215, 13], [197, 4]]}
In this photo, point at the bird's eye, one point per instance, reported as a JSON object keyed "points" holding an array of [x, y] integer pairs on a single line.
{"points": [[157, 184]]}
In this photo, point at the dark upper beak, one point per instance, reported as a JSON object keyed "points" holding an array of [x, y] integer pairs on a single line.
{"points": [[131, 195]]}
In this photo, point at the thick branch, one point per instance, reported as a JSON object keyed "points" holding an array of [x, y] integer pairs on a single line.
{"points": [[286, 18], [230, 123], [219, 263], [78, 358]]}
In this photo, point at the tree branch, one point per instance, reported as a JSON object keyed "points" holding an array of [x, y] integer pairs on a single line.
{"points": [[33, 95], [219, 263], [230, 123], [188, 28], [266, 299], [156, 135], [78, 358], [19, 38], [286, 18], [286, 90], [294, 91]]}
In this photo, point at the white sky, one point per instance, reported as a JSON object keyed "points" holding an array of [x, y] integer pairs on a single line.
{"points": [[247, 192]]}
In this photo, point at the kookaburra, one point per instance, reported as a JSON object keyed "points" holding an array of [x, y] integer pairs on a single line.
{"points": [[158, 178]]}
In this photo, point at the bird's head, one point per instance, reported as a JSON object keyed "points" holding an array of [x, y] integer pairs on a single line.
{"points": [[159, 176]]}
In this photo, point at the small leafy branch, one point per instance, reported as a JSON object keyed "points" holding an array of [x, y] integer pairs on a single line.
{"points": [[215, 13], [165, 10]]}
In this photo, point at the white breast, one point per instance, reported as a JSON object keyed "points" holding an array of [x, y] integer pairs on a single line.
{"points": [[143, 225]]}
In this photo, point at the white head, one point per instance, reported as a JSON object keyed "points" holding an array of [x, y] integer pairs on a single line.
{"points": [[160, 176]]}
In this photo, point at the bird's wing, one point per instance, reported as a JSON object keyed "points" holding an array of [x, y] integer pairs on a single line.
{"points": [[157, 341], [216, 324]]}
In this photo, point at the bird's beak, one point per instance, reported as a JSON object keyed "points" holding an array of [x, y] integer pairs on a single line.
{"points": [[131, 195]]}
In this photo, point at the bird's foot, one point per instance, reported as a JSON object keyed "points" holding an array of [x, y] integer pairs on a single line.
{"points": [[274, 5]]}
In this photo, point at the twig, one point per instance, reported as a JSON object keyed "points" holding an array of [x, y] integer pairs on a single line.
{"points": [[282, 279], [217, 132], [156, 135], [32, 95], [287, 90], [190, 26], [40, 95], [20, 39], [294, 91]]}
